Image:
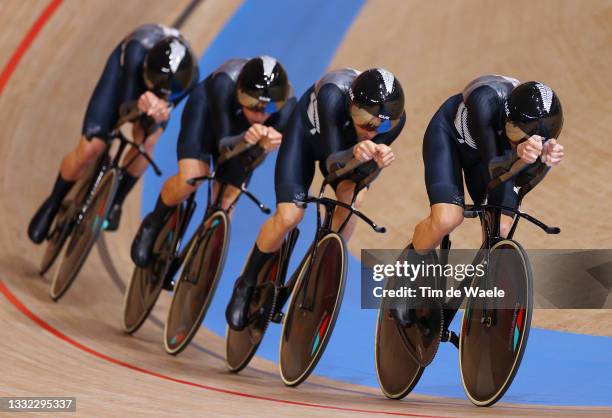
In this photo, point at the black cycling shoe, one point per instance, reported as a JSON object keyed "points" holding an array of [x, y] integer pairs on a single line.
{"points": [[113, 218], [168, 284], [41, 221], [237, 311], [142, 246]]}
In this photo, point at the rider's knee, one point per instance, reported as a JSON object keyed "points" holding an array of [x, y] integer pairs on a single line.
{"points": [[289, 216], [183, 185], [445, 221], [87, 152]]}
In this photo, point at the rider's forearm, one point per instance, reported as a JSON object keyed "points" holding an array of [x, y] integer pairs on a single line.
{"points": [[502, 164], [229, 142], [338, 160], [127, 107]]}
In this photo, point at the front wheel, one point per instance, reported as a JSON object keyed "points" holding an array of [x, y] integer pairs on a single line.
{"points": [[84, 235], [64, 221], [396, 368], [147, 283], [312, 312], [197, 282], [241, 346], [494, 333]]}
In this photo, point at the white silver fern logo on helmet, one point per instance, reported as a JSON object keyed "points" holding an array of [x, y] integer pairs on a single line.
{"points": [[177, 53], [547, 95], [268, 64], [388, 79]]}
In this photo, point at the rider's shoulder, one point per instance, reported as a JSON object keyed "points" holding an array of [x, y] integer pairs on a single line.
{"points": [[341, 78], [149, 34], [489, 85], [199, 89], [230, 68]]}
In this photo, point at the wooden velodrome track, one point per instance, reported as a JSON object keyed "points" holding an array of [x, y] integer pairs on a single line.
{"points": [[76, 347]]}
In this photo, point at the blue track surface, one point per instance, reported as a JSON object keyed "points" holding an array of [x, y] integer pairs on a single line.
{"points": [[558, 368]]}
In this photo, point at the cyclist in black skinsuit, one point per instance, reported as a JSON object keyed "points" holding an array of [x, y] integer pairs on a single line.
{"points": [[248, 100], [345, 115], [152, 69], [478, 134]]}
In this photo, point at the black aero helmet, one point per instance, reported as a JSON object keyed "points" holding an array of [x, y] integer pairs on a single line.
{"points": [[170, 68], [263, 85], [535, 109], [377, 100]]}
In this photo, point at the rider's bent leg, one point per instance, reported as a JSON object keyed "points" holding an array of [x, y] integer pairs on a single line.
{"points": [[73, 167], [271, 236], [505, 224], [442, 220], [133, 173], [344, 193], [75, 163], [428, 234], [293, 175], [175, 190], [274, 230], [230, 195]]}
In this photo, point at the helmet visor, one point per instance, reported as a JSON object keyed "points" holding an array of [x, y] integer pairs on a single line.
{"points": [[259, 105], [515, 134], [166, 87], [368, 122], [160, 88]]}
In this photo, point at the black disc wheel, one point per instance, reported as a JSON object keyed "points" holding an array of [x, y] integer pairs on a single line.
{"points": [[312, 312], [396, 368], [147, 283], [197, 282], [83, 235], [241, 346], [494, 333]]}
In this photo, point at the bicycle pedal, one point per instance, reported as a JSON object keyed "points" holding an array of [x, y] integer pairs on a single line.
{"points": [[278, 318]]}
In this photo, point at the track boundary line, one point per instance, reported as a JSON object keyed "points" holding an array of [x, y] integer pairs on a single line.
{"points": [[26, 42], [16, 302]]}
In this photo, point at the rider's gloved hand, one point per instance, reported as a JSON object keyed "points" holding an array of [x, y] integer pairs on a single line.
{"points": [[530, 150], [154, 107], [271, 140], [384, 155], [255, 133], [365, 150], [552, 153]]}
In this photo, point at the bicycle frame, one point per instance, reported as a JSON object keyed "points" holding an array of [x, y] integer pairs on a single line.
{"points": [[324, 226], [115, 162], [490, 218]]}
